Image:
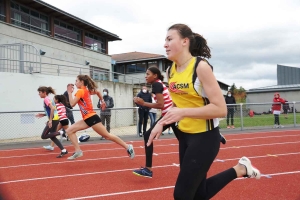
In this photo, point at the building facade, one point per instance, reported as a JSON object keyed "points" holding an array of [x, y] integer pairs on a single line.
{"points": [[34, 31]]}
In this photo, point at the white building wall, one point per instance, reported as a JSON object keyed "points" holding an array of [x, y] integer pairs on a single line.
{"points": [[19, 93]]}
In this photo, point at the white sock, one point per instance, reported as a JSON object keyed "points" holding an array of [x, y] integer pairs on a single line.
{"points": [[64, 150]]}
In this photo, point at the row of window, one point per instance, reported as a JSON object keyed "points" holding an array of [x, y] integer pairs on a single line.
{"points": [[130, 68], [33, 20]]}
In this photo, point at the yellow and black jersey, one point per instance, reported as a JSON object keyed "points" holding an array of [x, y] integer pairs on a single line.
{"points": [[187, 92]]}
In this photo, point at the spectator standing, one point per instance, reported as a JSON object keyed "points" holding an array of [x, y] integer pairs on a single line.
{"points": [[105, 114], [143, 110], [276, 109], [229, 99]]}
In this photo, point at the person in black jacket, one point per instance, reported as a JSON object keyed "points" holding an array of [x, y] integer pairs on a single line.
{"points": [[68, 106], [143, 110], [105, 114], [229, 99]]}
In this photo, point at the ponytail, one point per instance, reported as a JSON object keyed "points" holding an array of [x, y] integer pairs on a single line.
{"points": [[88, 82], [48, 90], [198, 46]]}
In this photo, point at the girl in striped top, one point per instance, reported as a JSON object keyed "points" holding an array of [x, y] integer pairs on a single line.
{"points": [[60, 102], [163, 101]]}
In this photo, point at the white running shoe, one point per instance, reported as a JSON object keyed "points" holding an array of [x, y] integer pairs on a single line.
{"points": [[275, 126], [75, 155], [49, 147], [251, 171], [130, 151]]}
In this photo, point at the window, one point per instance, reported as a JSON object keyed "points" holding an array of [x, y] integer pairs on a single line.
{"points": [[166, 64], [136, 68], [141, 67], [153, 64], [67, 32], [95, 43], [2, 13], [29, 19], [130, 68]]}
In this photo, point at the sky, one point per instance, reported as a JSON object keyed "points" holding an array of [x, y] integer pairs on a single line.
{"points": [[247, 38]]}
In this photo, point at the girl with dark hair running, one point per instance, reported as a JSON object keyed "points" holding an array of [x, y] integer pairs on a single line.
{"points": [[60, 103], [86, 87], [199, 103], [53, 119], [163, 101]]}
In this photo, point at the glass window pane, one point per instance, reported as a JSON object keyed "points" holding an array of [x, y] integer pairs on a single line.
{"points": [[35, 14], [141, 67], [25, 10], [56, 22], [130, 68], [44, 17], [63, 25], [70, 27]]}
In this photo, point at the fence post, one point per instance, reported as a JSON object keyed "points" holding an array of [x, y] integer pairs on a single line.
{"points": [[58, 71], [21, 56], [137, 122], [241, 111], [294, 112]]}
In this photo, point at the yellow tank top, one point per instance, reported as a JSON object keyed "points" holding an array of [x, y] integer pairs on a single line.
{"points": [[187, 92]]}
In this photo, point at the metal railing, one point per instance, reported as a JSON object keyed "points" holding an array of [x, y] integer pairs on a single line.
{"points": [[30, 67], [19, 58], [25, 58], [21, 126]]}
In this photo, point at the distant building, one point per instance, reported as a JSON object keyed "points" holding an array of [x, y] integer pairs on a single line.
{"points": [[288, 75], [288, 86], [135, 64]]}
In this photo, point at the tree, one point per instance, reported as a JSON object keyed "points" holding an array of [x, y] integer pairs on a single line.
{"points": [[233, 88], [238, 93]]}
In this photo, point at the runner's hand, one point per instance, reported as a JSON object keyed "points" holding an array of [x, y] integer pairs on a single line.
{"points": [[155, 133]]}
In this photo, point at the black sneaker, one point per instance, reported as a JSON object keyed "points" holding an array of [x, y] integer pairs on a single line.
{"points": [[144, 172], [62, 154], [140, 134], [222, 139]]}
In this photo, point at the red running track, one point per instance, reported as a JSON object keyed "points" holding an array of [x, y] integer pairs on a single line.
{"points": [[105, 171]]}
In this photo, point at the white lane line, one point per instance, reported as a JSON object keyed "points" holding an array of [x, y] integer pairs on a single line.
{"points": [[161, 139], [121, 170], [107, 158], [121, 193], [163, 188], [72, 175], [165, 145]]}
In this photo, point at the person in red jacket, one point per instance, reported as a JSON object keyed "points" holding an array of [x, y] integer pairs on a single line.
{"points": [[276, 109]]}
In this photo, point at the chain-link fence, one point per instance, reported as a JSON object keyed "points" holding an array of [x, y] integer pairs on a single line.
{"points": [[260, 116], [24, 126]]}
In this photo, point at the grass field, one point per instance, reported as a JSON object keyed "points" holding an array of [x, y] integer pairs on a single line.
{"points": [[261, 120]]}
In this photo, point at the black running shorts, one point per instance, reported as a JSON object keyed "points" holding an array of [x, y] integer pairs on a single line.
{"points": [[91, 121]]}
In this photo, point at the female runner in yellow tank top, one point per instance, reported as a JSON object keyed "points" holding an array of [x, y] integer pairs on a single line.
{"points": [[198, 103]]}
